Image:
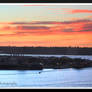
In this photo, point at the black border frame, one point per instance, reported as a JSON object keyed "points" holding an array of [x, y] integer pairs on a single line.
{"points": [[45, 1]]}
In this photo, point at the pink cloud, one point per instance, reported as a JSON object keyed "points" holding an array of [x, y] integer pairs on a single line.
{"points": [[74, 11], [65, 27]]}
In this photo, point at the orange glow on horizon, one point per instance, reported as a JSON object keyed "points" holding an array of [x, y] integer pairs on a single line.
{"points": [[72, 34], [43, 27]]}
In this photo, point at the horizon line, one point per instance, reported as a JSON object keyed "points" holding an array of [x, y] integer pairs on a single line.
{"points": [[49, 46]]}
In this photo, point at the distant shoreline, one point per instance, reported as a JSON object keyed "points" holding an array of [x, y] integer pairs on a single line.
{"points": [[46, 50], [17, 60]]}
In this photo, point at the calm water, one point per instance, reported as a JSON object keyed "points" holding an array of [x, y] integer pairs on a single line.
{"points": [[71, 56], [47, 78]]}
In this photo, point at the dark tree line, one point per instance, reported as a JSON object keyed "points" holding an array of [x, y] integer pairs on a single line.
{"points": [[28, 63], [47, 50]]}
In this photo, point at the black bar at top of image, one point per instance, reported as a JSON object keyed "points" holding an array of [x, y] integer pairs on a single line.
{"points": [[45, 1]]}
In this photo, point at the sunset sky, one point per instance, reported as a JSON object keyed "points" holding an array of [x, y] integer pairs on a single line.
{"points": [[46, 25]]}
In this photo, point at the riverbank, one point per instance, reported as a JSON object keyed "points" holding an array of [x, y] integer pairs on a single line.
{"points": [[38, 63]]}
